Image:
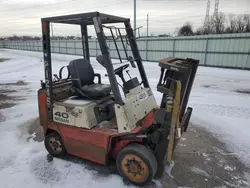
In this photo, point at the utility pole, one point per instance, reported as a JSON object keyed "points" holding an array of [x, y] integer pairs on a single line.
{"points": [[147, 25], [135, 18], [147, 40]]}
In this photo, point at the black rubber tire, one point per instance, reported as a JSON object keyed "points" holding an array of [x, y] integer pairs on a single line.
{"points": [[57, 137], [145, 154]]}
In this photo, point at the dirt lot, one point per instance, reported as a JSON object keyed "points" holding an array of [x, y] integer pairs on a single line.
{"points": [[201, 160]]}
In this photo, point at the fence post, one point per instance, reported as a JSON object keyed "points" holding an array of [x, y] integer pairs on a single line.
{"points": [[66, 43], [146, 49], [52, 45], [174, 47], [75, 46], [96, 46], [59, 46], [205, 59], [247, 59]]}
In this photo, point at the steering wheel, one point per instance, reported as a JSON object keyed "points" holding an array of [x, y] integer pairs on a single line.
{"points": [[119, 70]]}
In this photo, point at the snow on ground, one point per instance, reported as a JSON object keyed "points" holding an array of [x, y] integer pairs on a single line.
{"points": [[222, 110], [217, 107]]}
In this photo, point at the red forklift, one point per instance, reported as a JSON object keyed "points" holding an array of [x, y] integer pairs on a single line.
{"points": [[82, 116]]}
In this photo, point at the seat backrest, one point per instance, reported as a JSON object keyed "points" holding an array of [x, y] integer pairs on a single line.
{"points": [[81, 71]]}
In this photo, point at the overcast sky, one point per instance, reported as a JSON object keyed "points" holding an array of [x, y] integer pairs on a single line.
{"points": [[22, 17]]}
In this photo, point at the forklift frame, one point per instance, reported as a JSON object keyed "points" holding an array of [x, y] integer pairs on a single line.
{"points": [[159, 129]]}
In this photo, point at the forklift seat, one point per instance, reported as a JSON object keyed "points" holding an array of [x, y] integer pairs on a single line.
{"points": [[82, 75]]}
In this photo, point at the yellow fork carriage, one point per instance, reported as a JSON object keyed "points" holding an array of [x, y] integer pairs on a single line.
{"points": [[176, 80]]}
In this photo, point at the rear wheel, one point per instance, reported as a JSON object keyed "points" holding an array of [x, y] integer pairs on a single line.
{"points": [[54, 145], [136, 164]]}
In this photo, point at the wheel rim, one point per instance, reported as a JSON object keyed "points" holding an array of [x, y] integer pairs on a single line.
{"points": [[134, 168], [55, 145]]}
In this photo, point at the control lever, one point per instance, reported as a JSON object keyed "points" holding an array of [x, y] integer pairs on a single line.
{"points": [[56, 77], [128, 73], [43, 86]]}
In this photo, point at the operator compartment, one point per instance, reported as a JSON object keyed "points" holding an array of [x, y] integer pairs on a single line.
{"points": [[78, 100]]}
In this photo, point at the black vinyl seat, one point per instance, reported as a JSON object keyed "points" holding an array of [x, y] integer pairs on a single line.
{"points": [[82, 75]]}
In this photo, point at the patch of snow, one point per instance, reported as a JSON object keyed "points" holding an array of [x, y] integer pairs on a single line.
{"points": [[229, 168], [168, 169], [247, 176], [199, 171], [182, 145], [205, 155], [229, 184], [157, 183], [243, 182]]}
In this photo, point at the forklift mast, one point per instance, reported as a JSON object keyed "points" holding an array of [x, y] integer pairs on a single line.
{"points": [[175, 83]]}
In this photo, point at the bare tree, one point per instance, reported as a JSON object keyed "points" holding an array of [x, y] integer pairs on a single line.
{"points": [[247, 22], [186, 30], [231, 28], [207, 27], [240, 25], [218, 23], [199, 31]]}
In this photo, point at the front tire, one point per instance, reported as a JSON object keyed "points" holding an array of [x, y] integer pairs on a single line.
{"points": [[54, 145], [136, 164]]}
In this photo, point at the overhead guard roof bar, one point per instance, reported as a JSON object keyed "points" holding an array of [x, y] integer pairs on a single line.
{"points": [[85, 19]]}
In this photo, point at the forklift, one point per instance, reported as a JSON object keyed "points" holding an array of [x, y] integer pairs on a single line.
{"points": [[120, 122]]}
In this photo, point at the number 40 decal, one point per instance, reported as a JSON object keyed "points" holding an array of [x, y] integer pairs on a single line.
{"points": [[62, 114]]}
